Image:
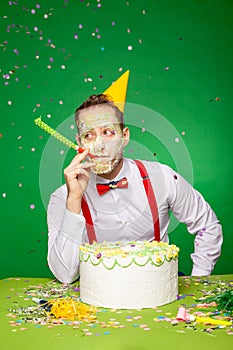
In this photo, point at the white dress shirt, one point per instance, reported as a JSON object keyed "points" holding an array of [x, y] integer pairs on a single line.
{"points": [[124, 215]]}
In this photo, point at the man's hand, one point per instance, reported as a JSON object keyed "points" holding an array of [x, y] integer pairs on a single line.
{"points": [[77, 175]]}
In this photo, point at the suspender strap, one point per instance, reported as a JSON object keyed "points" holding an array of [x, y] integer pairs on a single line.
{"points": [[151, 198], [89, 223]]}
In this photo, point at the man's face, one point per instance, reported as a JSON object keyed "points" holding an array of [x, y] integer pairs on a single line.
{"points": [[99, 129]]}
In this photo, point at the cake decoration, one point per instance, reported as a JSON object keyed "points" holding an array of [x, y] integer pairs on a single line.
{"points": [[125, 254]]}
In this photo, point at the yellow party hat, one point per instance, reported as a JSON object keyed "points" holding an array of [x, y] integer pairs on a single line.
{"points": [[117, 91]]}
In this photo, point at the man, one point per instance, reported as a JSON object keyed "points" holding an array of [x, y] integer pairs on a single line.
{"points": [[121, 213]]}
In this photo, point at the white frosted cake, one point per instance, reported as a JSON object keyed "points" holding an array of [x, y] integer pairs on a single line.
{"points": [[128, 275]]}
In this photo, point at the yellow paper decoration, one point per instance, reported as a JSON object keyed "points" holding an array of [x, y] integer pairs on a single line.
{"points": [[68, 308], [117, 91], [213, 321]]}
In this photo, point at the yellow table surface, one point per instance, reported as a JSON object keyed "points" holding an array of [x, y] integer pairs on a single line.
{"points": [[116, 329]]}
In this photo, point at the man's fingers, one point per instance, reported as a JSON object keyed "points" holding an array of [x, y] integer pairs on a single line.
{"points": [[76, 167], [74, 170], [87, 165], [80, 156]]}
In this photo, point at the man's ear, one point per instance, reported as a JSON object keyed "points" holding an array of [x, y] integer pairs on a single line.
{"points": [[126, 135]]}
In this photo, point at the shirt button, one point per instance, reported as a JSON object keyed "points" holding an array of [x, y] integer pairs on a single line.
{"points": [[124, 222]]}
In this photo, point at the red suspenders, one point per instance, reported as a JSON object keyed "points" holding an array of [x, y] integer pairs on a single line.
{"points": [[89, 223], [151, 199]]}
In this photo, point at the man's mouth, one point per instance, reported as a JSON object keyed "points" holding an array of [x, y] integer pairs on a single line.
{"points": [[102, 158]]}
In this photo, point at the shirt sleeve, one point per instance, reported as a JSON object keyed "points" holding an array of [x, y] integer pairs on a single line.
{"points": [[66, 232], [190, 208]]}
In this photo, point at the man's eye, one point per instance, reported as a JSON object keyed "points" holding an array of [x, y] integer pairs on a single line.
{"points": [[88, 136], [109, 132]]}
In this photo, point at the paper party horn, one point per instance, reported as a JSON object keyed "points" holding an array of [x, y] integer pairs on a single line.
{"points": [[58, 136]]}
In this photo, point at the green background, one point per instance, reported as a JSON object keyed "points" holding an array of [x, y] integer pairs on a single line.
{"points": [[54, 54]]}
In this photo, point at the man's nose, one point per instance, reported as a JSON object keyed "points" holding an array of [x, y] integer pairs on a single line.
{"points": [[99, 143]]}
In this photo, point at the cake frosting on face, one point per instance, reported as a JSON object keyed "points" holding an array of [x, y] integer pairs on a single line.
{"points": [[128, 275]]}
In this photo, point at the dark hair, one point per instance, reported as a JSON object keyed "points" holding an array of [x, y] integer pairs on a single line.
{"points": [[94, 100]]}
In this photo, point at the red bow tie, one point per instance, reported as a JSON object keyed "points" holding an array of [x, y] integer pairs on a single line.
{"points": [[103, 188]]}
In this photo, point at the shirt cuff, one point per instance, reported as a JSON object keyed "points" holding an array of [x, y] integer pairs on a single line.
{"points": [[73, 226], [199, 272]]}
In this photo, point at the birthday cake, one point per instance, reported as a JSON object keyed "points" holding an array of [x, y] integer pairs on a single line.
{"points": [[128, 275]]}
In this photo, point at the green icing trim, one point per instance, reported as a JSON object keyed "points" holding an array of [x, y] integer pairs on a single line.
{"points": [[101, 260], [148, 252]]}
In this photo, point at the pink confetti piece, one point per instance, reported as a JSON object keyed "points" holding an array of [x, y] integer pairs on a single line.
{"points": [[174, 322], [181, 315], [143, 326], [137, 317]]}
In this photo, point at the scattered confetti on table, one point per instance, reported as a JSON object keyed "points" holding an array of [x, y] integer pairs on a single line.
{"points": [[61, 305]]}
